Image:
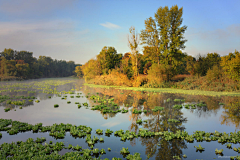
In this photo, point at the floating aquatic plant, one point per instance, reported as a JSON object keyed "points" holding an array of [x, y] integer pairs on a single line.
{"points": [[137, 111], [199, 148], [177, 106], [176, 157], [229, 145], [79, 106], [101, 139], [85, 104], [179, 100], [108, 132], [136, 156], [56, 105], [187, 106], [139, 121], [184, 156], [20, 107], [124, 151], [95, 151], [77, 147], [109, 149], [218, 151], [37, 101], [68, 102], [157, 108], [99, 131], [7, 109], [102, 151]]}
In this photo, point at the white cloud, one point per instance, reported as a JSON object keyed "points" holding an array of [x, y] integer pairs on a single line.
{"points": [[110, 25]]}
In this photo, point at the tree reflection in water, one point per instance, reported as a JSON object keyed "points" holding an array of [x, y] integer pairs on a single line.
{"points": [[158, 121]]}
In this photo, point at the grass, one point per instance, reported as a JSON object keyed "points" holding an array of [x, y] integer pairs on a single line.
{"points": [[169, 90]]}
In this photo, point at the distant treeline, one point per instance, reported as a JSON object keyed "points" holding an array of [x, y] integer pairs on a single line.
{"points": [[22, 65]]}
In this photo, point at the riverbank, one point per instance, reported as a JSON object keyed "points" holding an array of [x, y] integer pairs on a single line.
{"points": [[169, 90]]}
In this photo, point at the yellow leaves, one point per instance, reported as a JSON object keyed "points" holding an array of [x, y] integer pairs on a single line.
{"points": [[231, 65]]}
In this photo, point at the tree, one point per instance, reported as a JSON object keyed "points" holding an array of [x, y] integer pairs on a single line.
{"points": [[78, 71], [8, 54], [22, 69], [191, 61], [231, 65], [107, 59], [165, 34], [133, 43], [126, 65], [90, 69]]}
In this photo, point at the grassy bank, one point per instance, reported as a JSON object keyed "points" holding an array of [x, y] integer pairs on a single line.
{"points": [[170, 90]]}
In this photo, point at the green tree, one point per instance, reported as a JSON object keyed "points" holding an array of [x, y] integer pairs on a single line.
{"points": [[8, 54], [107, 59], [165, 34], [22, 70], [7, 67], [191, 61]]}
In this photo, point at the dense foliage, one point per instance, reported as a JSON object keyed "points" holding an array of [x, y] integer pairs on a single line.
{"points": [[163, 63], [22, 65]]}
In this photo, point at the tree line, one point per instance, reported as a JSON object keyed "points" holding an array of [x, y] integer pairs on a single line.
{"points": [[22, 65], [162, 58]]}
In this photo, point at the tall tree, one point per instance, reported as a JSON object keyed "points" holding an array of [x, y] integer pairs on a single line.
{"points": [[165, 34], [133, 42], [107, 59]]}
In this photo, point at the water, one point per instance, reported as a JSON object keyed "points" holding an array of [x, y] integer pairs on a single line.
{"points": [[223, 118]]}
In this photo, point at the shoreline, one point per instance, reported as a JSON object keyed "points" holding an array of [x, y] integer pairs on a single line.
{"points": [[169, 90]]}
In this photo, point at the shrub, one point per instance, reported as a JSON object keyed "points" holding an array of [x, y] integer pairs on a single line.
{"points": [[214, 73], [113, 78], [140, 80]]}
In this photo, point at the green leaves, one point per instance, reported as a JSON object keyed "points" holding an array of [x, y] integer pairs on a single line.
{"points": [[165, 34]]}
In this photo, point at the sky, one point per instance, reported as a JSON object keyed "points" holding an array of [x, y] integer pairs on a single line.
{"points": [[77, 30]]}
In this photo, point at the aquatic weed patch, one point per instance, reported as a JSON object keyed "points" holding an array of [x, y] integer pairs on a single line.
{"points": [[59, 130]]}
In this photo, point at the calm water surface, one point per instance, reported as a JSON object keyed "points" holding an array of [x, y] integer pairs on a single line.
{"points": [[223, 118]]}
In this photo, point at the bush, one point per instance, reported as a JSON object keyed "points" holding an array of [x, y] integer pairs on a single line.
{"points": [[214, 73], [113, 78], [140, 80]]}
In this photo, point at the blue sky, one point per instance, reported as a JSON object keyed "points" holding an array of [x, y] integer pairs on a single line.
{"points": [[78, 29]]}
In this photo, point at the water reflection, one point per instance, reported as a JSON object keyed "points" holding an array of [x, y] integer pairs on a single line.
{"points": [[208, 118]]}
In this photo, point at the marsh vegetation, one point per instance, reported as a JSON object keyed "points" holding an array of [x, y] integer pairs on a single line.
{"points": [[114, 123]]}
